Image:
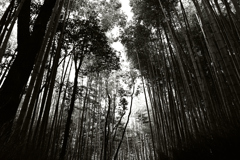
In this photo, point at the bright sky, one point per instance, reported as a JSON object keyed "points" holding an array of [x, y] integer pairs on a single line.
{"points": [[126, 8]]}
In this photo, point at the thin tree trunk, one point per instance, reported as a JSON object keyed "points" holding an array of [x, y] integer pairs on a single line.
{"points": [[68, 123], [130, 111]]}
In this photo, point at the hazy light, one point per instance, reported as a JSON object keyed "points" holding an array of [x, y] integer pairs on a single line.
{"points": [[126, 9]]}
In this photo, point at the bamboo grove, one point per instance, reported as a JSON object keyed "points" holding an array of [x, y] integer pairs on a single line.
{"points": [[65, 96], [188, 54], [60, 95]]}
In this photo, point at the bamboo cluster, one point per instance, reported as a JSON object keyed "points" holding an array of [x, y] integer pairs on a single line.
{"points": [[189, 64]]}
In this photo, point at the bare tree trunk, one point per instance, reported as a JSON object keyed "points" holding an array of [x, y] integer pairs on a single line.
{"points": [[68, 123], [130, 111], [11, 90]]}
